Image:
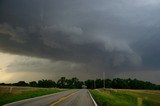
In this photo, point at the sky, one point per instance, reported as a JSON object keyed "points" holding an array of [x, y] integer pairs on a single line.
{"points": [[48, 39]]}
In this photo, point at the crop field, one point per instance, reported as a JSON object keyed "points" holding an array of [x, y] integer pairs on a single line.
{"points": [[126, 97], [10, 94]]}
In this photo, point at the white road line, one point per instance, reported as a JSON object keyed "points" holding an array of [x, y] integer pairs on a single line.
{"points": [[93, 99]]}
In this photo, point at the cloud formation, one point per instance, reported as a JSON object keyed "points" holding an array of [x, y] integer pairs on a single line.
{"points": [[68, 43], [103, 35]]}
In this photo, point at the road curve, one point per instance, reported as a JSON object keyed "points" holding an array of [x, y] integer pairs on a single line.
{"points": [[65, 98]]}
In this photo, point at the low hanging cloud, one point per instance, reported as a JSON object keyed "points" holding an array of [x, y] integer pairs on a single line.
{"points": [[70, 45], [103, 35], [33, 64]]}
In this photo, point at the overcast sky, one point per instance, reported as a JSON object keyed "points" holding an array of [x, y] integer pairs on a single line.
{"points": [[47, 39]]}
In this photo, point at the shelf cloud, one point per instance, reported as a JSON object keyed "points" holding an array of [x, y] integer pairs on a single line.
{"points": [[97, 35]]}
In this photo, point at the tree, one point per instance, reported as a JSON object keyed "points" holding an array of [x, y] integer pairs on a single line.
{"points": [[76, 83], [33, 84], [21, 83], [99, 83], [73, 83], [46, 83], [89, 84], [61, 83], [108, 83]]}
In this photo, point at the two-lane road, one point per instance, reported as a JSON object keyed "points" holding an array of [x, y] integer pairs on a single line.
{"points": [[66, 98]]}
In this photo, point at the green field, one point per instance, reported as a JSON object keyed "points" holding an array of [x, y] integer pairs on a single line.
{"points": [[121, 97], [8, 94]]}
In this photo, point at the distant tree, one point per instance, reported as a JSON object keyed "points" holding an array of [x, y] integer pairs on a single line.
{"points": [[21, 83], [33, 84], [157, 87], [74, 82], [2, 84], [68, 83], [6, 84], [108, 83], [61, 83], [79, 84], [119, 83], [99, 83], [46, 83], [89, 84]]}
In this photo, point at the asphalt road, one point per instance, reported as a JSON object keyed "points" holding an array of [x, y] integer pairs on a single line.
{"points": [[66, 98]]}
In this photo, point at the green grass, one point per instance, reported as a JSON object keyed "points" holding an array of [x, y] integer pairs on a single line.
{"points": [[20, 95], [108, 97], [149, 98]]}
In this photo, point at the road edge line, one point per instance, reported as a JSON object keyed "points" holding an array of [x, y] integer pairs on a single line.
{"points": [[92, 99], [37, 97]]}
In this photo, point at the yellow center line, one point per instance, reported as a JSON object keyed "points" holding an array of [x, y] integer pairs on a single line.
{"points": [[61, 99]]}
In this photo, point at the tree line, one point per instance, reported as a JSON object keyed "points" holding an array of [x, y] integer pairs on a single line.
{"points": [[118, 83], [73, 83], [61, 83]]}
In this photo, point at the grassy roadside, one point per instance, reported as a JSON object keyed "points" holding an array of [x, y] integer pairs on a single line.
{"points": [[6, 97], [106, 97]]}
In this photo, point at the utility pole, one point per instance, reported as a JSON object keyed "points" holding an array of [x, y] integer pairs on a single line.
{"points": [[103, 79]]}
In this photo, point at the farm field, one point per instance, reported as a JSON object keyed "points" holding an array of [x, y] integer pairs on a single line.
{"points": [[10, 94], [126, 97]]}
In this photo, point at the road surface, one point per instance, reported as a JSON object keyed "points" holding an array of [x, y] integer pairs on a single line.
{"points": [[65, 98]]}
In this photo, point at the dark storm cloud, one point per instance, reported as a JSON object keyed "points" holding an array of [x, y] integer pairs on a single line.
{"points": [[106, 34]]}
